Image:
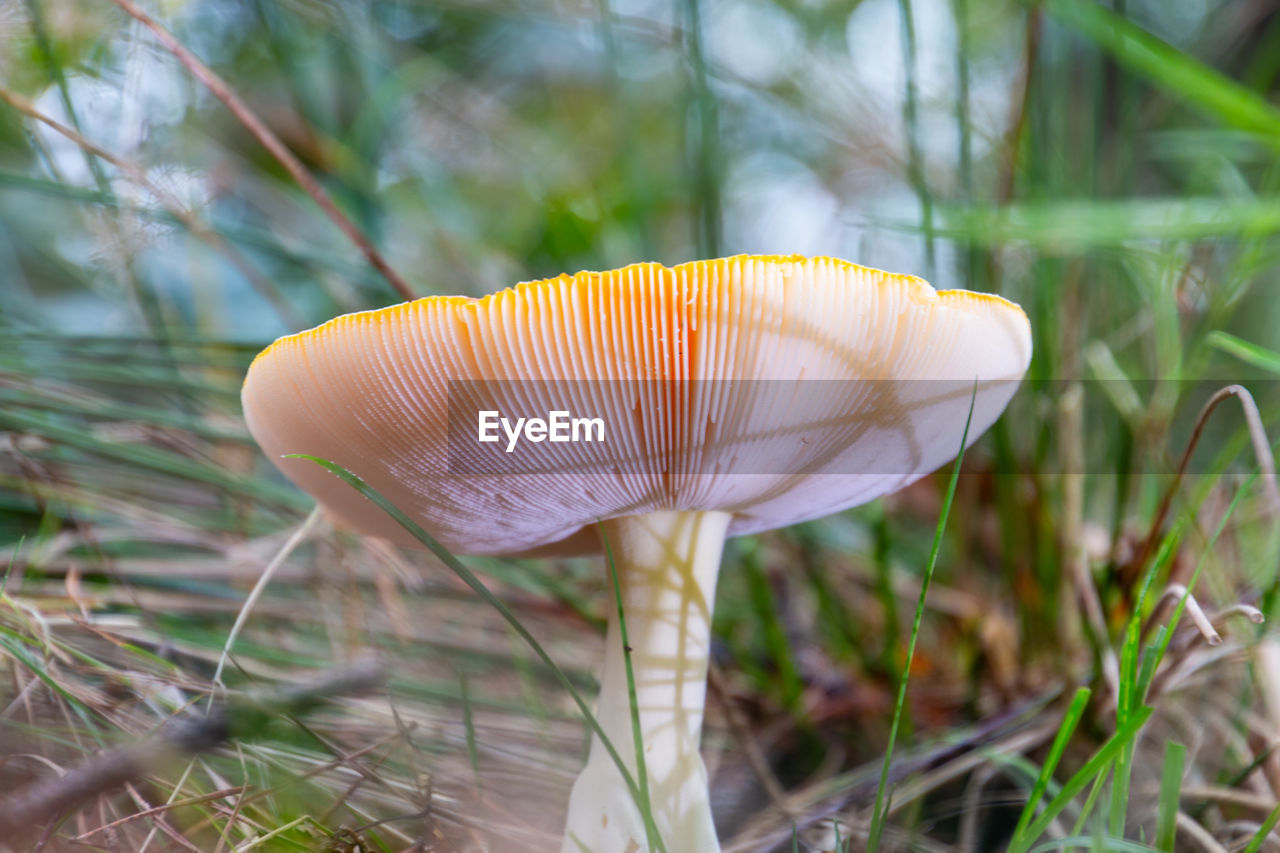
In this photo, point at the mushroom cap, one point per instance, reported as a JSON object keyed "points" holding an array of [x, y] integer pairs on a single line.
{"points": [[776, 388]]}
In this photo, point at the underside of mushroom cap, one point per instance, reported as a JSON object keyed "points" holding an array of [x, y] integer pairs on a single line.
{"points": [[776, 388]]}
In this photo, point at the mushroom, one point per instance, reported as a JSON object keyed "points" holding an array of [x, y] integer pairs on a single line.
{"points": [[735, 395]]}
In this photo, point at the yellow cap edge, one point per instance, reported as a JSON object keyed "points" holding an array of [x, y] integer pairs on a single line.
{"points": [[919, 288]]}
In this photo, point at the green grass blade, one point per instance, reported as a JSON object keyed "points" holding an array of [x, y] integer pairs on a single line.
{"points": [[1167, 67], [708, 156], [1090, 802], [633, 703], [1132, 670], [1063, 226], [1150, 660], [1069, 722], [1092, 842], [1170, 790], [1247, 352], [1263, 831], [911, 120], [16, 649], [880, 810], [468, 721], [1093, 768]]}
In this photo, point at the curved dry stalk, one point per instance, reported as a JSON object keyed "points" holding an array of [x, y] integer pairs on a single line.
{"points": [[265, 137], [1175, 592], [1261, 450], [293, 542], [1248, 611]]}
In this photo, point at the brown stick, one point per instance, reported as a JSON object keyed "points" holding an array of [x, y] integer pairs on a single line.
{"points": [[258, 128]]}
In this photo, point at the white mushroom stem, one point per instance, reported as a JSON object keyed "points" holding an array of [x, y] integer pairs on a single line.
{"points": [[667, 563]]}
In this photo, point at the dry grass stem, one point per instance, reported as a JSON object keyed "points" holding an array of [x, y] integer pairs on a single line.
{"points": [[299, 535], [1261, 450]]}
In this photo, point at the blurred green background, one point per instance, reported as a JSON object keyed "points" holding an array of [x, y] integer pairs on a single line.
{"points": [[1112, 166], [1042, 152]]}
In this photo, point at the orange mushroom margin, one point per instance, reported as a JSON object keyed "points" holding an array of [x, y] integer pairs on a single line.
{"points": [[695, 269]]}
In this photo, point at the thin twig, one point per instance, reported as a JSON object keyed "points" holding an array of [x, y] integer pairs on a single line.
{"points": [[155, 810], [159, 822], [258, 128]]}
